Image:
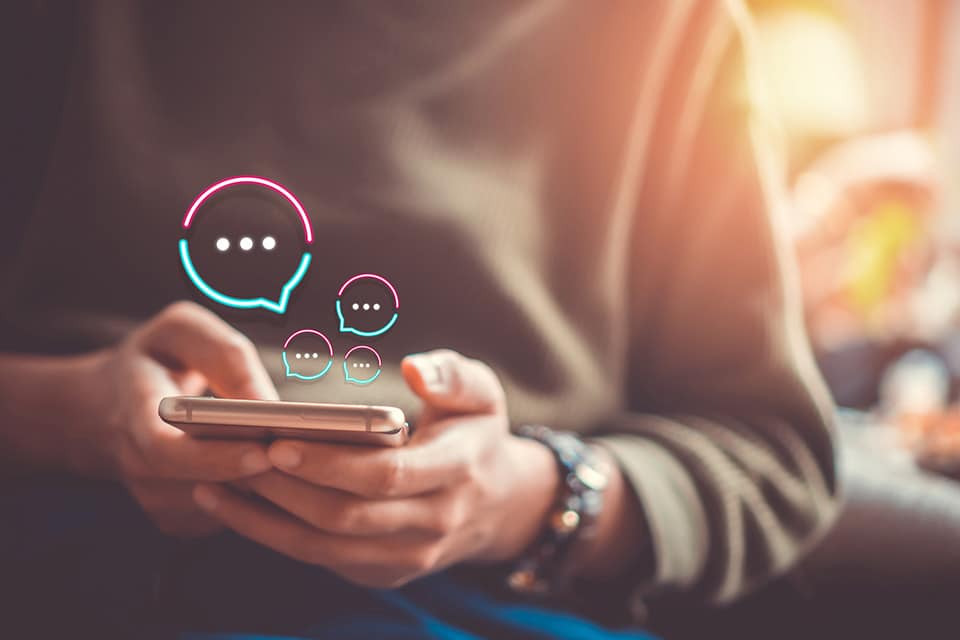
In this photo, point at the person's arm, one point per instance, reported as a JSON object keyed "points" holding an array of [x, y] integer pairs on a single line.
{"points": [[728, 445], [96, 414], [39, 427]]}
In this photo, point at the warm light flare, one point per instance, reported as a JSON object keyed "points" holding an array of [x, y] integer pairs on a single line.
{"points": [[815, 74]]}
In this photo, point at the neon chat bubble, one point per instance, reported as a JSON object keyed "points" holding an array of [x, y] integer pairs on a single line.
{"points": [[246, 243], [361, 365], [307, 355], [367, 305]]}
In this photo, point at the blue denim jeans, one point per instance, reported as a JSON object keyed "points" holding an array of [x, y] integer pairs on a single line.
{"points": [[80, 559]]}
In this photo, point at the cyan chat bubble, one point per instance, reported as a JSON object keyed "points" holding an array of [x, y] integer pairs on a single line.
{"points": [[361, 365], [246, 243], [307, 355], [367, 305]]}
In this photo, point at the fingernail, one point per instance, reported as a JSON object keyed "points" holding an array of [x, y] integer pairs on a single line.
{"points": [[205, 497], [430, 373], [255, 462], [285, 456]]}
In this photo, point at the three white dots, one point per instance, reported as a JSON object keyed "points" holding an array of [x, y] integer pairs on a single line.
{"points": [[269, 243], [366, 306], [315, 355]]}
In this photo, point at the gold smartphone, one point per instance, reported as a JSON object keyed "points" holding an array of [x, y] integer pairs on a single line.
{"points": [[205, 417]]}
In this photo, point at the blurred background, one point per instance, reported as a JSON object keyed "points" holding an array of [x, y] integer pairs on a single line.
{"points": [[868, 96]]}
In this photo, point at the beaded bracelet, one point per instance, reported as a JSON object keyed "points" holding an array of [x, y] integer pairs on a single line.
{"points": [[544, 568]]}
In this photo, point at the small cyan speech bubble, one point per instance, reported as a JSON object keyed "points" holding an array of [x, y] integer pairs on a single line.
{"points": [[367, 305], [361, 365], [307, 355], [246, 243]]}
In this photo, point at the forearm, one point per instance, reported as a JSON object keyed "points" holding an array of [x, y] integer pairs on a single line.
{"points": [[728, 503], [40, 402]]}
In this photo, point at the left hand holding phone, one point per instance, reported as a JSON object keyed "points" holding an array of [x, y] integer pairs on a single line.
{"points": [[183, 350]]}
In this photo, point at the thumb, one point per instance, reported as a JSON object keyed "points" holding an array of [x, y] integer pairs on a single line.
{"points": [[451, 383]]}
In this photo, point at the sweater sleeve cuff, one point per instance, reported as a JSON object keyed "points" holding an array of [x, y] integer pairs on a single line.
{"points": [[676, 519]]}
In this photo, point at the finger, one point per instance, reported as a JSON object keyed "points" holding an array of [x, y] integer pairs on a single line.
{"points": [[343, 513], [449, 382], [163, 451], [171, 453], [188, 336], [259, 523], [171, 507], [190, 382], [433, 459], [290, 536]]}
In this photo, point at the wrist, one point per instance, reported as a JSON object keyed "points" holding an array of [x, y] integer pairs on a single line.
{"points": [[531, 496], [620, 534], [549, 564], [85, 447]]}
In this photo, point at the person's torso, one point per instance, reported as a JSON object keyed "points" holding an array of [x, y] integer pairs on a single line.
{"points": [[469, 152]]}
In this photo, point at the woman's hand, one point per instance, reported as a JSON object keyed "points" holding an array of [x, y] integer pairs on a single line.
{"points": [[462, 489], [116, 431]]}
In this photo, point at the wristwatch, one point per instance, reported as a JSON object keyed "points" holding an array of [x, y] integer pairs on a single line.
{"points": [[546, 568]]}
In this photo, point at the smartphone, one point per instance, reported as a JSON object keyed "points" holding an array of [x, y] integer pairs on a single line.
{"points": [[205, 417]]}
